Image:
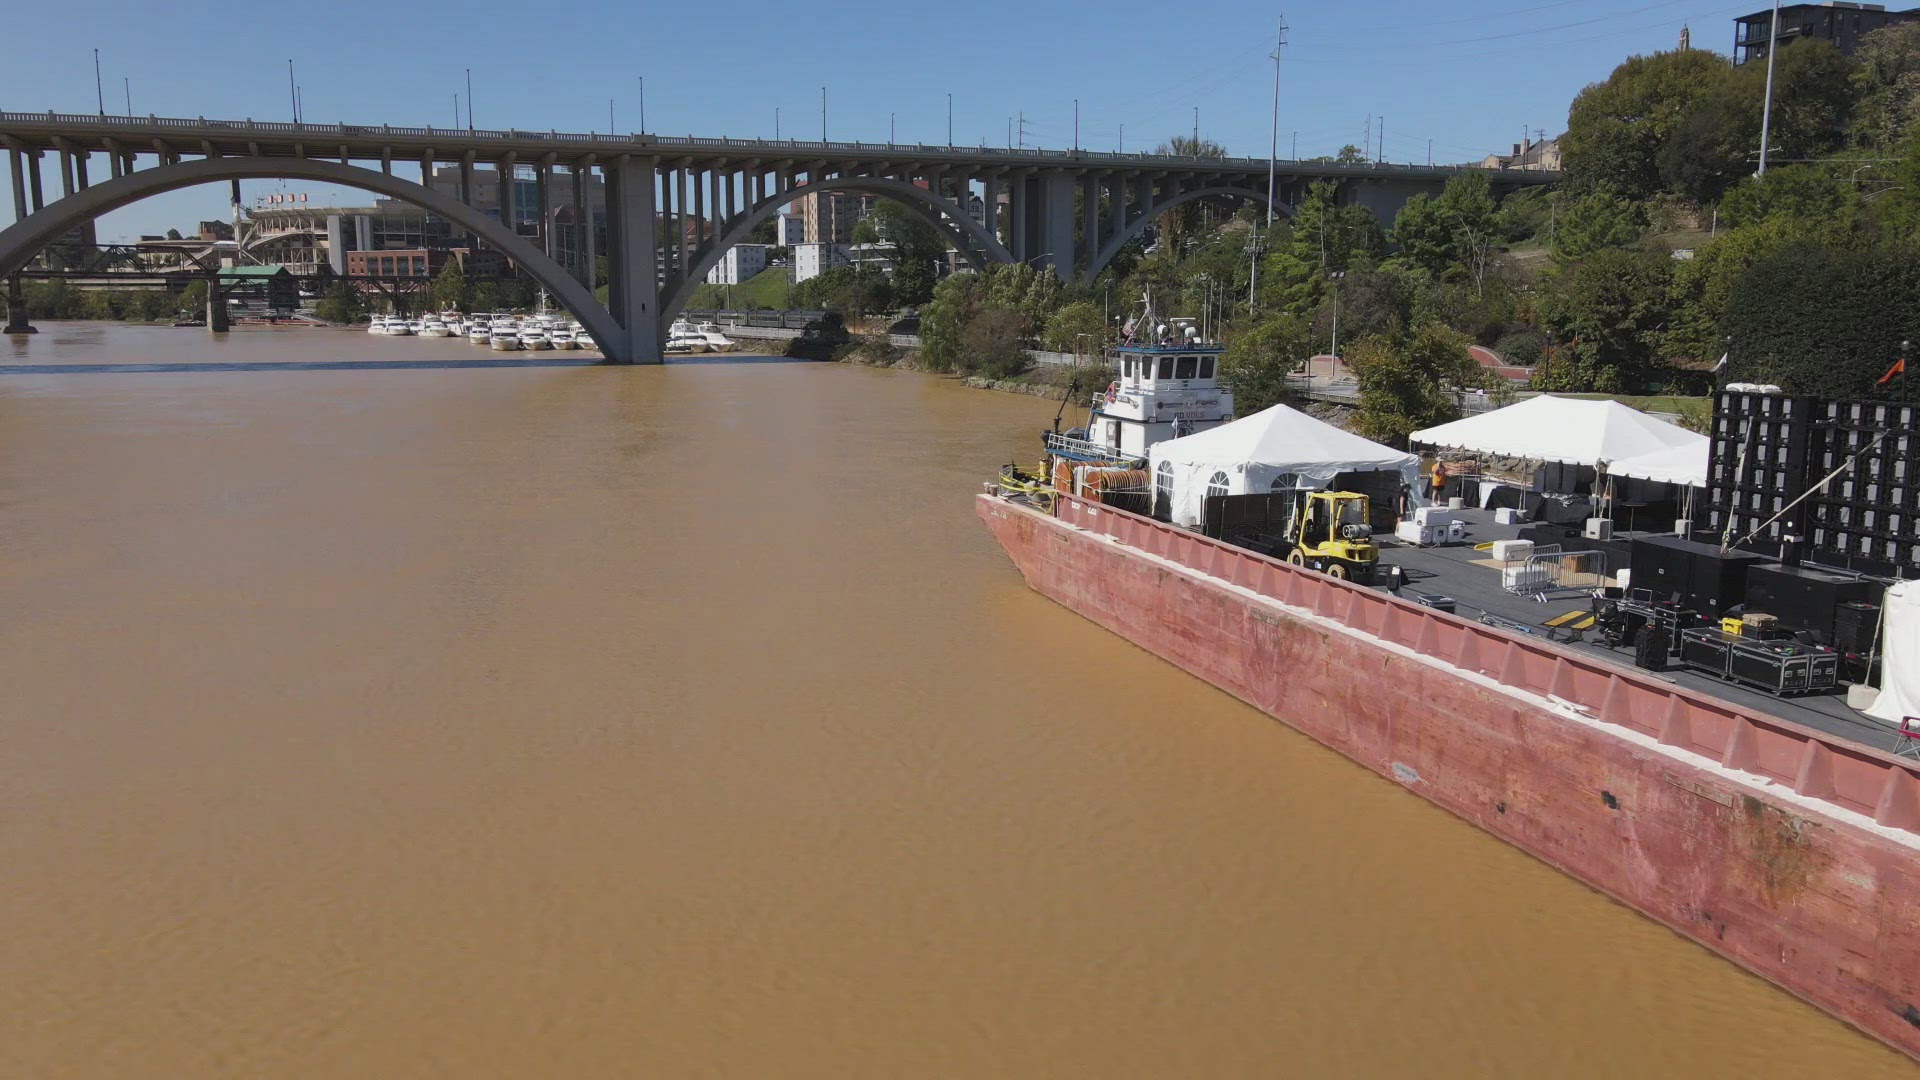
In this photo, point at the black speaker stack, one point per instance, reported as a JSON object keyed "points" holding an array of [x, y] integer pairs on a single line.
{"points": [[1768, 450]]}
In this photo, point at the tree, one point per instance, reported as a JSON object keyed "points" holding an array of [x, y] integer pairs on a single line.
{"points": [[1594, 220], [1425, 234], [1887, 80], [1604, 314], [1412, 385], [1824, 318], [1350, 155], [449, 291], [1259, 358], [173, 234], [954, 303], [1076, 327], [994, 343], [1615, 129], [341, 304], [918, 249], [193, 299], [1717, 137]]}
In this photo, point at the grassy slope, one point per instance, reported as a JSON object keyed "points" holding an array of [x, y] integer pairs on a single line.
{"points": [[767, 289]]}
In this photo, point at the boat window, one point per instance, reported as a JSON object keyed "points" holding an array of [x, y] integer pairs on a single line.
{"points": [[1166, 367], [1286, 481], [1217, 484], [1188, 365], [1163, 486], [1206, 367]]}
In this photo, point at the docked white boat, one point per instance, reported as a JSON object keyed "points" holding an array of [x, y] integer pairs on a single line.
{"points": [[563, 338], [397, 327], [414, 326], [504, 340], [716, 341], [376, 325], [433, 327], [534, 338], [479, 332], [682, 339]]}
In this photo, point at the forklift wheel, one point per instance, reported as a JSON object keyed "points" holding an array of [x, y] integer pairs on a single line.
{"points": [[1296, 558], [1337, 570]]}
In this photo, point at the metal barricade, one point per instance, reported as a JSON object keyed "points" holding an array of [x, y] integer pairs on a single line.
{"points": [[1549, 572]]}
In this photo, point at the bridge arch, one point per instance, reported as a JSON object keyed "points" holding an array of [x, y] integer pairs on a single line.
{"points": [[974, 241], [1139, 225], [27, 237]]}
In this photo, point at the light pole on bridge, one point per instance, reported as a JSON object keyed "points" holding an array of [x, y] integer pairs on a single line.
{"points": [[949, 119], [823, 114]]}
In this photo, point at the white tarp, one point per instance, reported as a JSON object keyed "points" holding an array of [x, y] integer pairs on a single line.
{"points": [[1899, 654], [1569, 430], [1280, 445], [1682, 464]]}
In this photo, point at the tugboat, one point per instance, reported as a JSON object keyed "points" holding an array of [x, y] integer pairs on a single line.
{"points": [[1167, 386]]}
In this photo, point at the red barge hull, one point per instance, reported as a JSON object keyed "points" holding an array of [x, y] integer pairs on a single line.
{"points": [[1788, 851]]}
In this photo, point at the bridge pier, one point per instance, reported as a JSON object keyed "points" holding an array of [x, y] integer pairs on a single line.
{"points": [[217, 321], [633, 261], [17, 309]]}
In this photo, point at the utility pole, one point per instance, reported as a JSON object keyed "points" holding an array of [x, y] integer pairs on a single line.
{"points": [[1194, 149], [127, 86], [293, 96], [1366, 140], [1296, 147], [776, 123], [1429, 153], [609, 118], [890, 139], [98, 93], [1076, 125], [1382, 158], [470, 101], [1766, 108], [949, 119], [1273, 153], [456, 108], [643, 104], [823, 114]]}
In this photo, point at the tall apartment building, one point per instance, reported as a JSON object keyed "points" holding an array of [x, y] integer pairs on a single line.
{"points": [[1837, 21]]}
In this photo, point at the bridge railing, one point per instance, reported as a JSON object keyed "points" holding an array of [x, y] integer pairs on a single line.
{"points": [[283, 128]]}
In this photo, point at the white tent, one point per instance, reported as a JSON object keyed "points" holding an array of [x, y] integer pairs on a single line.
{"points": [[1274, 450], [1682, 464], [1568, 430], [1899, 654]]}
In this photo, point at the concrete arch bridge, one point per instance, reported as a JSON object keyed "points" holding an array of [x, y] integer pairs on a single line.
{"points": [[673, 205]]}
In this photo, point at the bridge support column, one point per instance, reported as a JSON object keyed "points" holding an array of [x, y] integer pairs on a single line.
{"points": [[17, 309], [216, 307], [1056, 224], [633, 261]]}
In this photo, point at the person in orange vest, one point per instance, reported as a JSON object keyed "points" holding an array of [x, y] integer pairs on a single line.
{"points": [[1439, 481]]}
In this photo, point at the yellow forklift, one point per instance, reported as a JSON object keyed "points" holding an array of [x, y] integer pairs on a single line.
{"points": [[1329, 532]]}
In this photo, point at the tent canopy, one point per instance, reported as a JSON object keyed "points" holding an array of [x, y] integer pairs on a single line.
{"points": [[1278, 447], [1568, 430], [1899, 654], [1683, 464]]}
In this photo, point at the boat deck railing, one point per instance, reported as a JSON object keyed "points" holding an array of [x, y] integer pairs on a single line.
{"points": [[1810, 763], [1084, 449]]}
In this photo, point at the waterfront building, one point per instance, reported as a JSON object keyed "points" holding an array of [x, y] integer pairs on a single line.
{"points": [[740, 263], [812, 260]]}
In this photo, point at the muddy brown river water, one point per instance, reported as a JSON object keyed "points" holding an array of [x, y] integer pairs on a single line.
{"points": [[575, 721]]}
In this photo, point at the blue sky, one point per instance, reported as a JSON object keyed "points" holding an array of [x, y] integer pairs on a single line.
{"points": [[1471, 75]]}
